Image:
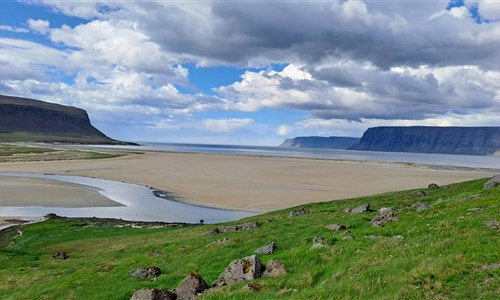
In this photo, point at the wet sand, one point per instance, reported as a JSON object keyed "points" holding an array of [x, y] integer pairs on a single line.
{"points": [[251, 183], [23, 191]]}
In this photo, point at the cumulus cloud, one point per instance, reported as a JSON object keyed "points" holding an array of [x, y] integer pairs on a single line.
{"points": [[226, 125], [41, 26], [13, 29]]}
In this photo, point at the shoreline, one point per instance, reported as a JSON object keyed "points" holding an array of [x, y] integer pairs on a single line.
{"points": [[254, 183]]}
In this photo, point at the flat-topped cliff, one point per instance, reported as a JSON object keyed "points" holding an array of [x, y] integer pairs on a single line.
{"points": [[23, 119], [332, 142], [427, 139]]}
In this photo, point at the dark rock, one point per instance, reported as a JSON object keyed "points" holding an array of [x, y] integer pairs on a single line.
{"points": [[433, 186], [492, 224], [492, 183], [319, 242], [420, 194], [299, 212], [153, 294], [361, 209], [422, 139], [418, 206], [247, 268], [223, 229], [336, 227], [60, 255], [275, 268], [268, 249], [332, 142], [191, 287], [384, 215], [148, 272]]}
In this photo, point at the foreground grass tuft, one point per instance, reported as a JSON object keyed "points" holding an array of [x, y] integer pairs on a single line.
{"points": [[439, 253]]}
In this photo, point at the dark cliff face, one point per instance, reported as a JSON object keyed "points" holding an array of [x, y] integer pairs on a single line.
{"points": [[332, 142], [449, 140], [27, 115]]}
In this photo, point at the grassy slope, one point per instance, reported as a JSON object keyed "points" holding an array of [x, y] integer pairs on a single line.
{"points": [[18, 153], [439, 257]]}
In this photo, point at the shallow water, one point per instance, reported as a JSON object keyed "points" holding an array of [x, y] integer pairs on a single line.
{"points": [[140, 204]]}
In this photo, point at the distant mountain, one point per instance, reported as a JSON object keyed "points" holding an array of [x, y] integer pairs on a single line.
{"points": [[28, 120], [332, 142], [449, 140]]}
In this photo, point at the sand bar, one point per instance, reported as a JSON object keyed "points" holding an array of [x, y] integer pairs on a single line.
{"points": [[22, 191], [252, 183]]}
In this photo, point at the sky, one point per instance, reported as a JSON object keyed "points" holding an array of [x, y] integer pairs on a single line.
{"points": [[255, 72]]}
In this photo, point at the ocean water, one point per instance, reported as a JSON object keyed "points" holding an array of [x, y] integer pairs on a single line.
{"points": [[471, 161]]}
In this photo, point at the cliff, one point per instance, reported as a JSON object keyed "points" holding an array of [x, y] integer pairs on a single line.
{"points": [[449, 140], [332, 142], [24, 119]]}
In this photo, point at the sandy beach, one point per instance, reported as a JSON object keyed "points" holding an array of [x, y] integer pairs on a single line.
{"points": [[246, 183]]}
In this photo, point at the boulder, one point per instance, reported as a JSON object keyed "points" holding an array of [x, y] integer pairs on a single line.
{"points": [[336, 227], [60, 255], [319, 242], [191, 287], [275, 268], [433, 186], [361, 209], [492, 183], [492, 224], [418, 206], [420, 194], [384, 215], [223, 229], [247, 268], [299, 212], [268, 249], [153, 294], [148, 272]]}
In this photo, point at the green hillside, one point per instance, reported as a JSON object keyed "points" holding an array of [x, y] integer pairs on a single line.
{"points": [[445, 252]]}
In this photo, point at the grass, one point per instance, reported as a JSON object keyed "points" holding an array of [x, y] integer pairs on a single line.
{"points": [[19, 152], [440, 255], [18, 136]]}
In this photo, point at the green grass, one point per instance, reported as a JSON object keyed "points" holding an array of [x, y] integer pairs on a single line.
{"points": [[439, 257], [9, 150]]}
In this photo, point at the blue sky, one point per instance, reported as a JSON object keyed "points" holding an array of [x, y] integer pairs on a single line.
{"points": [[255, 73]]}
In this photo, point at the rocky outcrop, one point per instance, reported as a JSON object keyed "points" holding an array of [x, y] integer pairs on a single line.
{"points": [[449, 140], [192, 286], [384, 216], [247, 268], [148, 272], [319, 242], [336, 227], [332, 142], [153, 294], [43, 118], [493, 182], [299, 212], [268, 249], [275, 268], [223, 229], [361, 209]]}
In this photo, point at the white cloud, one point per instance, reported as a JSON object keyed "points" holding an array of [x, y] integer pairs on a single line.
{"points": [[41, 26], [489, 9], [226, 125], [284, 130], [13, 29]]}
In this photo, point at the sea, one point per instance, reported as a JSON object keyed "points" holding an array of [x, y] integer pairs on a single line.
{"points": [[449, 160]]}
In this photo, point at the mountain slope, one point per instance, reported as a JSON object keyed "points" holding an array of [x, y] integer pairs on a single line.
{"points": [[450, 140]]}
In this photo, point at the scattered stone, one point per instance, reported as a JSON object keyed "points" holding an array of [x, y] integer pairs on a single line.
{"points": [[492, 266], [275, 268], [336, 227], [319, 242], [219, 230], [299, 212], [191, 287], [347, 210], [492, 224], [60, 255], [148, 272], [433, 186], [154, 253], [384, 215], [220, 241], [247, 268], [153, 294], [492, 183], [477, 209], [420, 194], [347, 236], [252, 287], [398, 237], [418, 206], [373, 237], [361, 209], [268, 249]]}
